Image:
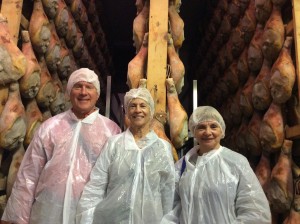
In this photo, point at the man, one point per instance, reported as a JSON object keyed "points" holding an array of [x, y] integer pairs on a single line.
{"points": [[58, 161]]}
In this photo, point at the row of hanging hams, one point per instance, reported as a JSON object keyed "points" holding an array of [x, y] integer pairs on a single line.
{"points": [[246, 69], [60, 37], [176, 117]]}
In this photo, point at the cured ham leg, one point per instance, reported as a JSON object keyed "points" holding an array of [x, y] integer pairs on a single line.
{"points": [[272, 129], [177, 67], [140, 26], [50, 7], [61, 18], [242, 67], [246, 97], [46, 94], [34, 119], [255, 54], [263, 171], [137, 66], [294, 215], [248, 22], [52, 55], [273, 36], [79, 13], [31, 81], [252, 140], [58, 104], [280, 192], [177, 116], [241, 136], [139, 4], [14, 168], [157, 125], [12, 120], [176, 25], [3, 97], [263, 10], [283, 74], [261, 94], [12, 60], [38, 28], [64, 67]]}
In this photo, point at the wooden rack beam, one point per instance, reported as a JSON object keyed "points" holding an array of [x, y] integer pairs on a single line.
{"points": [[157, 52], [294, 132], [296, 19]]}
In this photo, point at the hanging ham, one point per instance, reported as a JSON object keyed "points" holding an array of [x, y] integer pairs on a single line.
{"points": [[12, 120], [157, 125], [140, 26], [34, 119], [280, 192], [177, 66], [39, 28], [263, 171], [137, 66], [177, 116], [31, 81], [12, 61], [272, 128], [176, 25], [261, 94], [273, 36], [283, 74]]}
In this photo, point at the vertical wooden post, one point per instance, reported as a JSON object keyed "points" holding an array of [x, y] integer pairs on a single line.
{"points": [[296, 19], [12, 10], [157, 52]]}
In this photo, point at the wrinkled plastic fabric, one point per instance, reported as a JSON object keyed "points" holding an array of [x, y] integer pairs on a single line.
{"points": [[129, 184], [220, 188], [55, 168]]}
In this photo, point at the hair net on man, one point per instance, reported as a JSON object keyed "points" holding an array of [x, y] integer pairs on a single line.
{"points": [[141, 93], [83, 74], [206, 113]]}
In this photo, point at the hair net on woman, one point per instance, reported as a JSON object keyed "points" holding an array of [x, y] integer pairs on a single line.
{"points": [[141, 93], [206, 113], [83, 74]]}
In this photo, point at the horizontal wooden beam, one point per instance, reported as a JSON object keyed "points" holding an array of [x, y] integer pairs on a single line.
{"points": [[292, 132]]}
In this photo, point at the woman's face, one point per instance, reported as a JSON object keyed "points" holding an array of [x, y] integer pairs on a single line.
{"points": [[139, 113], [208, 135]]}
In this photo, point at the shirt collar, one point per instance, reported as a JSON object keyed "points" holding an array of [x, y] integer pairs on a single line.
{"points": [[88, 119]]}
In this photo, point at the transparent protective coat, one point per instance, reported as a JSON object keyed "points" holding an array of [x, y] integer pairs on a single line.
{"points": [[129, 184], [220, 188], [55, 168]]}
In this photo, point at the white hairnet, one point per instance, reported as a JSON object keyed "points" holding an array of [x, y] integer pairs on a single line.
{"points": [[206, 113], [141, 93], [83, 74]]}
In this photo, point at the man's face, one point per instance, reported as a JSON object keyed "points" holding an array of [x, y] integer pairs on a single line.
{"points": [[83, 97]]}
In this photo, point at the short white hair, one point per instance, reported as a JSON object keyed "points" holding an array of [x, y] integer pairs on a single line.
{"points": [[86, 75], [206, 113]]}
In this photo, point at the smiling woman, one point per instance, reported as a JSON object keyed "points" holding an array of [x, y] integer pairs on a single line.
{"points": [[133, 180], [216, 185]]}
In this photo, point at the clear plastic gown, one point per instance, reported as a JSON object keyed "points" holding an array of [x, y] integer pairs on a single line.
{"points": [[130, 184], [219, 187], [56, 167]]}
